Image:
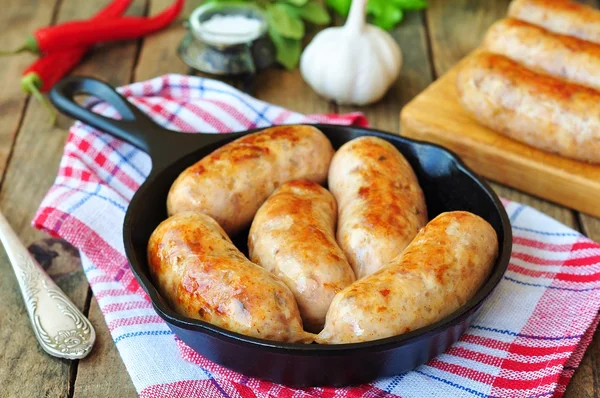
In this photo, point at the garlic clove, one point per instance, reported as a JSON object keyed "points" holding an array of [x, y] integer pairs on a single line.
{"points": [[353, 64]]}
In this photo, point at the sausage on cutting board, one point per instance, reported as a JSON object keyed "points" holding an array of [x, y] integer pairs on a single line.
{"points": [[381, 206], [293, 236], [232, 182], [439, 272], [560, 16], [569, 58], [539, 110], [202, 275]]}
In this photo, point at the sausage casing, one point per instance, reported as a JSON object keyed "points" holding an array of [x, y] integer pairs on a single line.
{"points": [[569, 58], [439, 271], [293, 236], [202, 275], [533, 108], [381, 206], [232, 182], [560, 16]]}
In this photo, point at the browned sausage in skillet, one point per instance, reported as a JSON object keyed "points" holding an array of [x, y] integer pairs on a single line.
{"points": [[231, 183], [381, 206], [293, 236], [438, 273], [203, 275]]}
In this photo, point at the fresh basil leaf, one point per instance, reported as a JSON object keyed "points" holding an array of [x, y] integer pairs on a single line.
{"points": [[341, 7], [297, 3], [285, 22], [410, 5], [288, 50], [388, 17], [314, 12]]}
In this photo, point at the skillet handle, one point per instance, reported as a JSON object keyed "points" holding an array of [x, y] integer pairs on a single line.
{"points": [[135, 127]]}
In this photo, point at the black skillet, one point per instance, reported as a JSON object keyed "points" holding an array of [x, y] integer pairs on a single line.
{"points": [[447, 183]]}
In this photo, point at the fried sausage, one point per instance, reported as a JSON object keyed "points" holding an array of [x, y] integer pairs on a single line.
{"points": [[293, 236], [231, 183], [536, 109], [203, 275], [566, 57], [560, 16], [381, 205], [438, 273]]}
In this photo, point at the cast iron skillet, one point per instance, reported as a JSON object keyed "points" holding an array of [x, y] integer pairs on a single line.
{"points": [[447, 183]]}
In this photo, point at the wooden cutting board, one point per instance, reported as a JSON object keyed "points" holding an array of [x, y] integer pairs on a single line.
{"points": [[436, 116]]}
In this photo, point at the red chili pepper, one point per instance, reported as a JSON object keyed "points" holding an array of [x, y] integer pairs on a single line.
{"points": [[115, 9], [46, 71], [87, 33]]}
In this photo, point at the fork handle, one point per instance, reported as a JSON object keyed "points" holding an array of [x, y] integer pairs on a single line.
{"points": [[61, 329]]}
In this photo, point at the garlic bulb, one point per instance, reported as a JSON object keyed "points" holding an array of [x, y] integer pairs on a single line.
{"points": [[352, 64]]}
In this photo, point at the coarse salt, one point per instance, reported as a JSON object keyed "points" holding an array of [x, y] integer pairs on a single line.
{"points": [[230, 29]]}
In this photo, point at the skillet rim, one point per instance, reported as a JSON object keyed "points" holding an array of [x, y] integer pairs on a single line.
{"points": [[454, 318]]}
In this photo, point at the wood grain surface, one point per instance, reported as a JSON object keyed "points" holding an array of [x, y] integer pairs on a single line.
{"points": [[432, 42]]}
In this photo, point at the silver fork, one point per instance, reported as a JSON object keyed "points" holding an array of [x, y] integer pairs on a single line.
{"points": [[61, 329]]}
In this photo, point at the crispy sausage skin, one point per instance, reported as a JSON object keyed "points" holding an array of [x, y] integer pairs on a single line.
{"points": [[381, 205], [439, 271], [560, 16], [231, 183], [566, 57], [204, 276], [536, 109], [293, 236]]}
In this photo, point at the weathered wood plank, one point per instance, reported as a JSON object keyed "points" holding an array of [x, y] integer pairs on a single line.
{"points": [[25, 184], [18, 347], [457, 27], [158, 54], [103, 373], [18, 20]]}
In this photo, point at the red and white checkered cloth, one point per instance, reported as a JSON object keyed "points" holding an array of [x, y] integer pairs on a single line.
{"points": [[527, 341]]}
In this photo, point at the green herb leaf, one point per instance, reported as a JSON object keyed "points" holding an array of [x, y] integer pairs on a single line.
{"points": [[410, 5], [342, 7], [386, 15], [288, 50], [389, 17], [375, 7], [283, 20], [314, 12], [297, 3]]}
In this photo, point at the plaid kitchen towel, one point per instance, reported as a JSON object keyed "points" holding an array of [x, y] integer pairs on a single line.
{"points": [[527, 341]]}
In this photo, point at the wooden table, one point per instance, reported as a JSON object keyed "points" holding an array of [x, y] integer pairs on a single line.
{"points": [[30, 150]]}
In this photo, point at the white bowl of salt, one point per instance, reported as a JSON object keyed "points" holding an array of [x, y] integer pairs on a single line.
{"points": [[227, 39]]}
